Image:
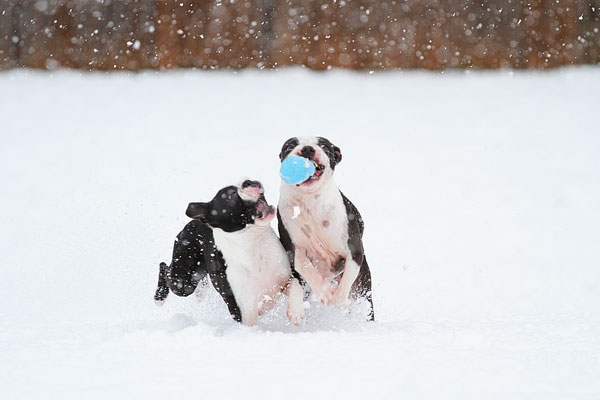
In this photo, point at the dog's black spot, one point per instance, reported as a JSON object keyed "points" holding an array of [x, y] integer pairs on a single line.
{"points": [[227, 210], [288, 146], [333, 152], [248, 183], [338, 266]]}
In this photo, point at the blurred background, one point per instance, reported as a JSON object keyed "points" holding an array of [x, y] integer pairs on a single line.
{"points": [[353, 34]]}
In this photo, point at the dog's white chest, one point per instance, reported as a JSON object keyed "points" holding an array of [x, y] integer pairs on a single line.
{"points": [[257, 266], [317, 225]]}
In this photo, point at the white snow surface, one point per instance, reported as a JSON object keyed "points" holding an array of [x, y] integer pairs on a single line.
{"points": [[480, 194]]}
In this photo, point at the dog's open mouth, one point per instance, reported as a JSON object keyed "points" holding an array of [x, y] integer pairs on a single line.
{"points": [[319, 169], [263, 209]]}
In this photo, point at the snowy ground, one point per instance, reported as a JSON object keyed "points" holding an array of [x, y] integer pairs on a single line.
{"points": [[480, 192]]}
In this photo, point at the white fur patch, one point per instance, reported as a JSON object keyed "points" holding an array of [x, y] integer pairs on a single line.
{"points": [[257, 267]]}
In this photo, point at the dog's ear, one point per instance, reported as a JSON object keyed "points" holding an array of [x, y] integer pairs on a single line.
{"points": [[197, 211], [333, 152], [337, 154]]}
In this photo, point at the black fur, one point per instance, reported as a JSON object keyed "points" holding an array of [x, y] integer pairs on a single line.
{"points": [[333, 152], [194, 257], [188, 267], [162, 291], [227, 210]]}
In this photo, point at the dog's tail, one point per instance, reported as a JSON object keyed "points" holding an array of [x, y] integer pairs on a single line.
{"points": [[162, 291]]}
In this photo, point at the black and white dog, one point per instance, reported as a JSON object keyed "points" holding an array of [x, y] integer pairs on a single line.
{"points": [[322, 230], [231, 241]]}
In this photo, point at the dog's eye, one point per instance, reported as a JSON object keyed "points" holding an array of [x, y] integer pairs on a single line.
{"points": [[290, 144], [287, 148]]}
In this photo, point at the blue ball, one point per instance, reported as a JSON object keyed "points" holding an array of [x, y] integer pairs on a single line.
{"points": [[296, 169]]}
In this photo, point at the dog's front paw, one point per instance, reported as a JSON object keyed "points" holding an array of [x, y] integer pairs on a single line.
{"points": [[295, 312]]}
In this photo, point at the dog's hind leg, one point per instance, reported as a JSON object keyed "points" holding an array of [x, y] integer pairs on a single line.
{"points": [[162, 291], [188, 266]]}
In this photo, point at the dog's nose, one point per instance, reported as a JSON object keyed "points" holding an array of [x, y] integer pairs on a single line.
{"points": [[248, 183], [308, 152]]}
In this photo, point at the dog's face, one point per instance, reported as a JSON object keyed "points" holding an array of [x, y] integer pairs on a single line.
{"points": [[235, 208], [324, 154]]}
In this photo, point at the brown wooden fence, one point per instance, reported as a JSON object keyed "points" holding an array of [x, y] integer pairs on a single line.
{"points": [[357, 34]]}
